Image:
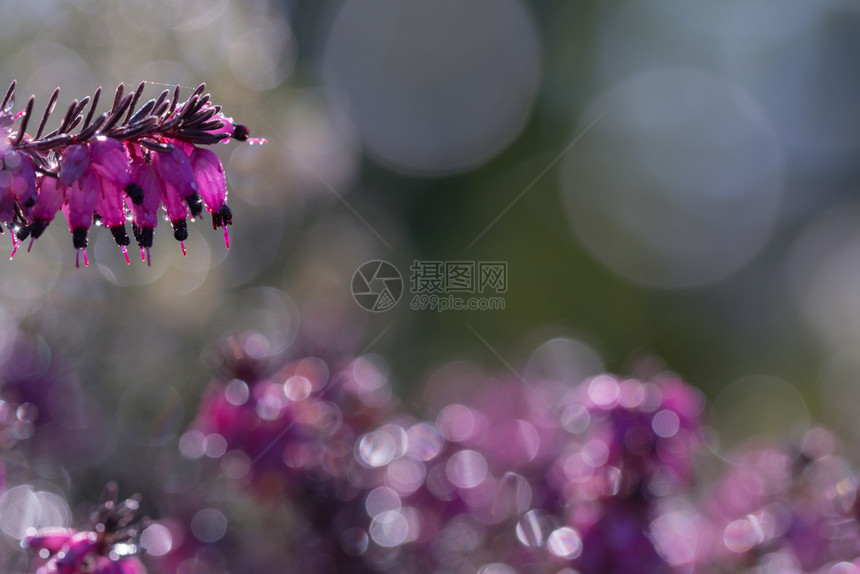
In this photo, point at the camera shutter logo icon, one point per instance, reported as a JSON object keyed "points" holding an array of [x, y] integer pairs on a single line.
{"points": [[377, 286]]}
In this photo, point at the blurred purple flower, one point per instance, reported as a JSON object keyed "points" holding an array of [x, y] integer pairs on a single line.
{"points": [[108, 546], [516, 476]]}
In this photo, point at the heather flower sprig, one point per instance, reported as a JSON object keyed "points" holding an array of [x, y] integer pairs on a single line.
{"points": [[108, 546], [120, 165]]}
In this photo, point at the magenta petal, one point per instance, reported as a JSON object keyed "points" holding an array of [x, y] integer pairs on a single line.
{"points": [[49, 202], [7, 202], [74, 163], [176, 208], [227, 129], [110, 204], [174, 167], [24, 179], [76, 549], [210, 177], [110, 159], [81, 200], [51, 539], [146, 213]]}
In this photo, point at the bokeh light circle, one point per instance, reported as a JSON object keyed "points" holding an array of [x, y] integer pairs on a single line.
{"points": [[565, 360], [150, 414], [434, 88], [677, 182], [757, 405], [209, 525], [156, 540]]}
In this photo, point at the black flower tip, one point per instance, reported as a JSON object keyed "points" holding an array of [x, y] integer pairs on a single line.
{"points": [[180, 229], [135, 193], [222, 217], [120, 235], [195, 204], [240, 132], [143, 235], [79, 237], [36, 229]]}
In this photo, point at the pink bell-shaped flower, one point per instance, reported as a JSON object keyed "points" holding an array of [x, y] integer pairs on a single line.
{"points": [[23, 181], [49, 202], [74, 163], [213, 187], [145, 213], [174, 167], [111, 209], [110, 160]]}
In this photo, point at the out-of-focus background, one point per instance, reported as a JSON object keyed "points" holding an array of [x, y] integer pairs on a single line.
{"points": [[664, 181]]}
